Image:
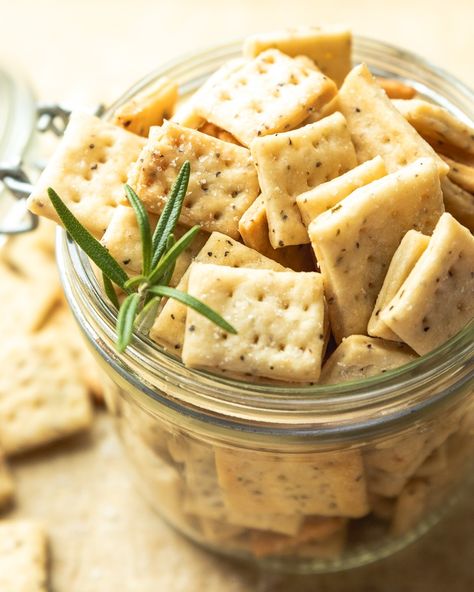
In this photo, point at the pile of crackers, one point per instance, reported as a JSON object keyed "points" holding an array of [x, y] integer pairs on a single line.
{"points": [[48, 383]]}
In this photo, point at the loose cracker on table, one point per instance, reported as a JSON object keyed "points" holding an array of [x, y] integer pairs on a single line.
{"points": [[410, 249], [293, 162], [149, 107], [328, 47], [355, 241], [410, 506], [41, 397], [323, 197], [253, 228], [168, 328], [317, 529], [123, 241], [444, 274], [222, 185], [460, 174], [88, 171], [458, 202], [278, 316], [7, 487], [269, 94], [322, 483], [23, 557], [446, 133], [377, 127], [359, 357]]}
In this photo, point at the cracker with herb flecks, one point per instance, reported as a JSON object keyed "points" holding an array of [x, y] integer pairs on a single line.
{"points": [[6, 483], [460, 174], [23, 557], [123, 241], [359, 357], [325, 196], [377, 127], [222, 185], [88, 171], [446, 133], [410, 249], [322, 483], [278, 316], [41, 397], [410, 507], [149, 107], [290, 163], [458, 202], [168, 328], [271, 93], [437, 298], [253, 228], [354, 242], [328, 47]]}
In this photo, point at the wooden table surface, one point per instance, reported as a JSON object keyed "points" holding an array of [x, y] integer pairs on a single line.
{"points": [[104, 538]]}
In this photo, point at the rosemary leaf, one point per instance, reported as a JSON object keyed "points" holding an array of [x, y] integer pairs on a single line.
{"points": [[194, 303], [135, 281], [125, 320], [90, 245], [109, 290], [143, 225], [171, 254], [147, 315]]}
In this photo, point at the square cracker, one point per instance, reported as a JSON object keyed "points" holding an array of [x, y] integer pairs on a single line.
{"points": [[354, 242], [328, 47], [410, 249], [410, 507], [253, 228], [23, 557], [290, 163], [458, 202], [41, 397], [88, 171], [222, 185], [460, 174], [443, 274], [377, 127], [445, 132], [322, 483], [279, 317], [271, 93], [168, 328], [6, 484], [325, 196], [359, 357], [122, 240], [149, 107]]}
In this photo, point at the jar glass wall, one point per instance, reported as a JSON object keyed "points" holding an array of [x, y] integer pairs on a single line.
{"points": [[299, 478]]}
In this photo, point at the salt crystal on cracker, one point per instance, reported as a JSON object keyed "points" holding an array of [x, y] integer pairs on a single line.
{"points": [[291, 163], [354, 242], [88, 171]]}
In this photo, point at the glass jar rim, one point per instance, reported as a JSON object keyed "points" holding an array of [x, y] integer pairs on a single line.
{"points": [[209, 395]]}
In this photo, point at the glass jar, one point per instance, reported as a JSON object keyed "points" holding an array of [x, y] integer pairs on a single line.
{"points": [[307, 479]]}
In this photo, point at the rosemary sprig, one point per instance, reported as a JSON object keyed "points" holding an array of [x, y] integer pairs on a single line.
{"points": [[160, 251]]}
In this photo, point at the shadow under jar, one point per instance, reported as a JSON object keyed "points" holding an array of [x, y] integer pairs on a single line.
{"points": [[300, 479]]}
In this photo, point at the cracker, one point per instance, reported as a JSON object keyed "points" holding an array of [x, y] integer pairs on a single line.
{"points": [[123, 241], [436, 463], [403, 261], [460, 174], [217, 531], [41, 397], [222, 185], [377, 127], [88, 171], [6, 484], [443, 274], [396, 89], [290, 163], [212, 130], [355, 241], [323, 483], [149, 107], [168, 328], [288, 524], [359, 357], [458, 202], [328, 47], [318, 529], [325, 196], [410, 507], [23, 557], [382, 507], [272, 93], [253, 228], [330, 548], [279, 317], [446, 133]]}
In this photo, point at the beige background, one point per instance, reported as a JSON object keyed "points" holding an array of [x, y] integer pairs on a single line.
{"points": [[103, 537]]}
